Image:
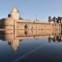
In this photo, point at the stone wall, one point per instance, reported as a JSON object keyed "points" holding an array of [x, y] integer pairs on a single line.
{"points": [[32, 25]]}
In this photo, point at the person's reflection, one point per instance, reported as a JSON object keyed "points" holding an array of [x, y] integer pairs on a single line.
{"points": [[26, 32], [54, 39], [59, 38], [49, 39]]}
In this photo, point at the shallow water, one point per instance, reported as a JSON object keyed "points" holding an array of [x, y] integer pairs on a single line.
{"points": [[30, 48]]}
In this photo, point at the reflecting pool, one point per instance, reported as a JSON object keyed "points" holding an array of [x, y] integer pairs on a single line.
{"points": [[30, 46]]}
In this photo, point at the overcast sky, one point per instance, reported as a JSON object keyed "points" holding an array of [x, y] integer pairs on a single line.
{"points": [[31, 9]]}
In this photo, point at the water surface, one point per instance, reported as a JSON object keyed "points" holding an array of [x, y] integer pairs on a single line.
{"points": [[30, 46]]}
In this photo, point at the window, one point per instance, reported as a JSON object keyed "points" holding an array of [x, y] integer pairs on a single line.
{"points": [[9, 15]]}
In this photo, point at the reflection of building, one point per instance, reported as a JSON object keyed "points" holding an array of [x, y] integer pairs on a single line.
{"points": [[57, 29], [10, 37], [57, 36], [14, 39], [15, 44], [19, 35]]}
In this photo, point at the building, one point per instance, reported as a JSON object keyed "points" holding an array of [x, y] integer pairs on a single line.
{"points": [[15, 28], [14, 21]]}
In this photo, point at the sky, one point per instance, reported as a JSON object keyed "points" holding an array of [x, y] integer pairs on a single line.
{"points": [[32, 9]]}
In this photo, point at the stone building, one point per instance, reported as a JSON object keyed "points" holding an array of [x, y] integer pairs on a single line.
{"points": [[14, 21], [17, 28]]}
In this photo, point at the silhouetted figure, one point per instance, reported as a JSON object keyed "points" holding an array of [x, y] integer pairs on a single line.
{"points": [[54, 19], [26, 27]]}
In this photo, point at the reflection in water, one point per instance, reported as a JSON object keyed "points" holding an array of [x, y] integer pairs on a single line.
{"points": [[21, 46], [26, 32], [2, 35], [19, 35], [57, 36], [10, 37]]}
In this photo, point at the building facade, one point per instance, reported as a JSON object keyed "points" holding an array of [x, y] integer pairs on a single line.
{"points": [[14, 21]]}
